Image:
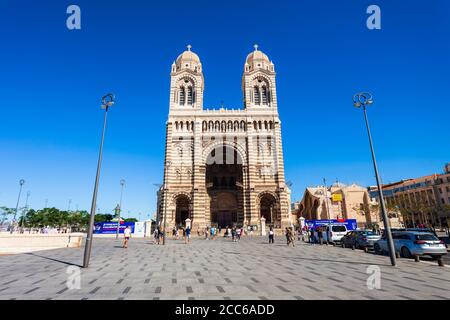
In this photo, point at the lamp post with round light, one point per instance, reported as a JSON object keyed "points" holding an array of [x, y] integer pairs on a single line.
{"points": [[166, 190], [24, 212], [364, 99], [107, 102], [122, 184], [13, 226]]}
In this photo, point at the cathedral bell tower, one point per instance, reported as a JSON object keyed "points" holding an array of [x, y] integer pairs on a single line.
{"points": [[258, 82], [187, 83]]}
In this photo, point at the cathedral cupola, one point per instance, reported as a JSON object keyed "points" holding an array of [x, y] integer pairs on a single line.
{"points": [[258, 60], [187, 82], [188, 60], [258, 81]]}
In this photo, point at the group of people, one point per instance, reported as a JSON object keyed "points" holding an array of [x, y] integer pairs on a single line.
{"points": [[158, 234], [306, 234], [289, 233], [211, 233]]}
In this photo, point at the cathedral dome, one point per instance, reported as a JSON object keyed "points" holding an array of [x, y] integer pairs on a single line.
{"points": [[188, 60], [257, 56], [188, 56], [258, 60]]}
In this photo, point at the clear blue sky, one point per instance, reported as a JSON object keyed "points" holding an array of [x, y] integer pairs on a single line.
{"points": [[52, 79]]}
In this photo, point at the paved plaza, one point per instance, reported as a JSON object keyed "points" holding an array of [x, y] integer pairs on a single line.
{"points": [[219, 269]]}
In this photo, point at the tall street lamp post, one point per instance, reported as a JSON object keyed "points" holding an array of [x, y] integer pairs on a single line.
{"points": [[328, 210], [24, 212], [168, 163], [364, 99], [21, 183], [122, 184], [108, 102]]}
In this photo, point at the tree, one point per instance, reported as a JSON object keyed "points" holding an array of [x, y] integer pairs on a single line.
{"points": [[5, 212], [131, 220], [103, 217]]}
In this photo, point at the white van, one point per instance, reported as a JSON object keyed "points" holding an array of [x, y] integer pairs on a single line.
{"points": [[337, 232]]}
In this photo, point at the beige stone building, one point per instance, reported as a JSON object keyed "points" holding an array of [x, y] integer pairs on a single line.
{"points": [[223, 167], [339, 201], [424, 200]]}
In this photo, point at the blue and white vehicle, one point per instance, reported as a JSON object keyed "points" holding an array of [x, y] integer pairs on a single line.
{"points": [[333, 230]]}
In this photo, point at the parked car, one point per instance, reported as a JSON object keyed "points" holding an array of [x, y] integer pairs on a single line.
{"points": [[336, 234], [413, 243], [360, 239], [422, 230]]}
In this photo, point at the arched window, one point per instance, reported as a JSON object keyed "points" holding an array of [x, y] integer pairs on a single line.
{"points": [[190, 96], [264, 94], [182, 96], [257, 97]]}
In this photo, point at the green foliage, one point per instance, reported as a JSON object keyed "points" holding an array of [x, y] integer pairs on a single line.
{"points": [[103, 217], [131, 220], [5, 212], [55, 218]]}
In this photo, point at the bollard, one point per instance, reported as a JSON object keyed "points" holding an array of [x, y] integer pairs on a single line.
{"points": [[416, 258], [440, 262], [397, 254], [366, 250]]}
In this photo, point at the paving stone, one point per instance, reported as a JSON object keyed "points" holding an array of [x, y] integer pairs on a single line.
{"points": [[220, 269]]}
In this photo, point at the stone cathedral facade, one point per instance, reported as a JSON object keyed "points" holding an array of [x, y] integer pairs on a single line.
{"points": [[223, 167]]}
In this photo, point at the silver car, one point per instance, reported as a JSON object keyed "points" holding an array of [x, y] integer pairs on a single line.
{"points": [[413, 243]]}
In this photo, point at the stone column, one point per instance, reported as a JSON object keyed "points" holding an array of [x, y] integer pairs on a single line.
{"points": [[199, 188], [251, 213], [263, 226]]}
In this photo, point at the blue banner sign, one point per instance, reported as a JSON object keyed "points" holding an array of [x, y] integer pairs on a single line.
{"points": [[351, 224], [111, 227]]}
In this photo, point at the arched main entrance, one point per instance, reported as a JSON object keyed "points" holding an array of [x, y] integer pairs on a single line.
{"points": [[182, 211], [224, 184], [269, 209]]}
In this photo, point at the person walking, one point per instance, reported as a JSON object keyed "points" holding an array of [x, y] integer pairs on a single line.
{"points": [[188, 235], [206, 233], [320, 235], [271, 235], [126, 236], [159, 235], [289, 237], [238, 234], [155, 236], [299, 234], [233, 234], [311, 236]]}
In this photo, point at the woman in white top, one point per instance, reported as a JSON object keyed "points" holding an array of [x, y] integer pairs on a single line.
{"points": [[271, 235]]}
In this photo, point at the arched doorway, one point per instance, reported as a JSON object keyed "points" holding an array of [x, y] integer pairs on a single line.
{"points": [[224, 184], [182, 211], [224, 209], [269, 209]]}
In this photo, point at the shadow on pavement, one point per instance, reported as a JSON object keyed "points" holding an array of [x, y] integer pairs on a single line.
{"points": [[53, 259]]}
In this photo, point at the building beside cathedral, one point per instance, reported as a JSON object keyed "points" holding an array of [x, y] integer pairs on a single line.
{"points": [[223, 167]]}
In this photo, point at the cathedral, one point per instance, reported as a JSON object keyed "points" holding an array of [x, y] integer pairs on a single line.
{"points": [[223, 167]]}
